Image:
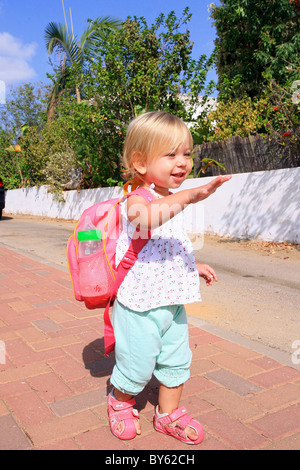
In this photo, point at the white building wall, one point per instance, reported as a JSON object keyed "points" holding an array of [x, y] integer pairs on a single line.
{"points": [[263, 205]]}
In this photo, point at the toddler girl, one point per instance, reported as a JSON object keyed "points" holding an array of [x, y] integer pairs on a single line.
{"points": [[149, 318]]}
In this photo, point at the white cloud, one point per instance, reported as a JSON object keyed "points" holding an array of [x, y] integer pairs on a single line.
{"points": [[14, 59]]}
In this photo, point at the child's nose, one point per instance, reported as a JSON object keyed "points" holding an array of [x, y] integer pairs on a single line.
{"points": [[181, 160]]}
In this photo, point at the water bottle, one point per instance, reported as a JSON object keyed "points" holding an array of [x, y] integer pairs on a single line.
{"points": [[89, 241]]}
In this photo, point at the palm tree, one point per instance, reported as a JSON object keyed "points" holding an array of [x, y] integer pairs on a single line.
{"points": [[72, 51]]}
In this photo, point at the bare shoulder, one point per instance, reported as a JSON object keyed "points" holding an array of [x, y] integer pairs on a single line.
{"points": [[135, 199]]}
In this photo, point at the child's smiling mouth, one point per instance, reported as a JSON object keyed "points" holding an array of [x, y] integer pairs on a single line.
{"points": [[178, 176]]}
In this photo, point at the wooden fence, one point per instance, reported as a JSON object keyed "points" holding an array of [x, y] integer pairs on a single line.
{"points": [[244, 155]]}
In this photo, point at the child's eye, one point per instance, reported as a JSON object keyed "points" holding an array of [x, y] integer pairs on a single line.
{"points": [[173, 154]]}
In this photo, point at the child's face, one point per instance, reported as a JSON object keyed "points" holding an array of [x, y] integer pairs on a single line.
{"points": [[170, 170]]}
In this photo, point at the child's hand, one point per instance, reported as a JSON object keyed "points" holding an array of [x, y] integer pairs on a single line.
{"points": [[202, 192], [207, 273]]}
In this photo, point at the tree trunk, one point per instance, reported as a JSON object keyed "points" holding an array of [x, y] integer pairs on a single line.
{"points": [[51, 108], [78, 95], [52, 104]]}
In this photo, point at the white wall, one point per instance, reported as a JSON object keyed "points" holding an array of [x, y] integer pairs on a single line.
{"points": [[38, 201], [263, 205]]}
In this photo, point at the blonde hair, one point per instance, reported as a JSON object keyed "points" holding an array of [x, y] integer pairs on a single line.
{"points": [[152, 134]]}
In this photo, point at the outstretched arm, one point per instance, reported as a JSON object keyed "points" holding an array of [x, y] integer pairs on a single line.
{"points": [[151, 215]]}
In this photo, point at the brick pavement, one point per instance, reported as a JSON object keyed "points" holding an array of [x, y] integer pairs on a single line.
{"points": [[55, 379]]}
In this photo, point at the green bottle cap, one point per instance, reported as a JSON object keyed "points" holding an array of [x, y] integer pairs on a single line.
{"points": [[87, 235]]}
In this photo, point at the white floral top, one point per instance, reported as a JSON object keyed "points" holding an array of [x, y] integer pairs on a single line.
{"points": [[165, 272]]}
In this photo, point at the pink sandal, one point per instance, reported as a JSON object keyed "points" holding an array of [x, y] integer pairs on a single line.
{"points": [[122, 411], [181, 420]]}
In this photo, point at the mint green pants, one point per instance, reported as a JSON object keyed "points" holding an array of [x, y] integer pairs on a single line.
{"points": [[152, 342]]}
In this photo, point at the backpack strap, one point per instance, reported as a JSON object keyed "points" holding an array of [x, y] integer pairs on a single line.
{"points": [[130, 257]]}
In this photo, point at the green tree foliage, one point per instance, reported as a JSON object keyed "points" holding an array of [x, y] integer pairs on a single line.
{"points": [[72, 52], [25, 105], [149, 67], [9, 172], [25, 108], [139, 68], [275, 114], [257, 40], [257, 58]]}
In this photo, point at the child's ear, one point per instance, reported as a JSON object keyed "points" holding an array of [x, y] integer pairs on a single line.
{"points": [[139, 163]]}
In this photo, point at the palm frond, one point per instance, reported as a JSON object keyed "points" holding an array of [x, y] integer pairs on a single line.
{"points": [[72, 51], [58, 40], [97, 29]]}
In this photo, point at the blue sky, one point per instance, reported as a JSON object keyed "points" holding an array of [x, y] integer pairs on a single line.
{"points": [[23, 56]]}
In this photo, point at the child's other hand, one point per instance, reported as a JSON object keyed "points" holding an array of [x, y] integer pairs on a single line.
{"points": [[203, 192], [207, 273]]}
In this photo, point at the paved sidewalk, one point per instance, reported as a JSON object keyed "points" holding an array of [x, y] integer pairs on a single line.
{"points": [[54, 382]]}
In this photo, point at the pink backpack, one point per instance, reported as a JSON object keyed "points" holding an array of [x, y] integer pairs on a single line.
{"points": [[91, 252]]}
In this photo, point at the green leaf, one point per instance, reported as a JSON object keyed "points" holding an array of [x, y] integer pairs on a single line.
{"points": [[209, 162]]}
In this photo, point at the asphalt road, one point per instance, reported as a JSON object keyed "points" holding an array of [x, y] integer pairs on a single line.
{"points": [[256, 298]]}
